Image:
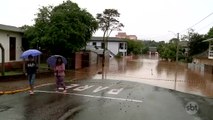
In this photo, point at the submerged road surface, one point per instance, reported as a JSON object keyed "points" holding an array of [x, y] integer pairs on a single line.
{"points": [[105, 100]]}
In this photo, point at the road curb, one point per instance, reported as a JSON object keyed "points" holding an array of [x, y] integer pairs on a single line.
{"points": [[14, 91], [25, 89], [22, 90]]}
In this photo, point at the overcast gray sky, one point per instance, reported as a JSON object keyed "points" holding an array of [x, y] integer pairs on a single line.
{"points": [[148, 19]]}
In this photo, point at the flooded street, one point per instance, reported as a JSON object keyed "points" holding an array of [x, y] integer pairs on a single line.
{"points": [[150, 70], [120, 96]]}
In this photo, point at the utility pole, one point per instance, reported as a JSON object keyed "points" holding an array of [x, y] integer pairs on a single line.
{"points": [[176, 64]]}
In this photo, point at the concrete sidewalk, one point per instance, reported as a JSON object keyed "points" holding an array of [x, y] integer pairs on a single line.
{"points": [[14, 84]]}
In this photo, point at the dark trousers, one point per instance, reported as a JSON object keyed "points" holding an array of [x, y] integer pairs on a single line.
{"points": [[60, 82]]}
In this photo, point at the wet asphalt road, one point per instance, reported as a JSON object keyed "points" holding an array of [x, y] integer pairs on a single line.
{"points": [[104, 100]]}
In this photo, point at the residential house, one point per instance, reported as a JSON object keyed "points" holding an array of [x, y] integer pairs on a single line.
{"points": [[115, 45], [11, 40], [204, 62], [210, 54]]}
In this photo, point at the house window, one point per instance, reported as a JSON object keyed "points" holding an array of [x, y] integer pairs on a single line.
{"points": [[12, 48], [121, 46], [94, 43], [102, 45]]}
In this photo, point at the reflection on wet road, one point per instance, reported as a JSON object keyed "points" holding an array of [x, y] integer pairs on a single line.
{"points": [[151, 70]]}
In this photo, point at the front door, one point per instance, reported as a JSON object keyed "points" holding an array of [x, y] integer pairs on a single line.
{"points": [[12, 48]]}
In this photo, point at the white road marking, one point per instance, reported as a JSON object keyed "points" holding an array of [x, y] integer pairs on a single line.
{"points": [[91, 96], [72, 86], [115, 91], [100, 88], [82, 88]]}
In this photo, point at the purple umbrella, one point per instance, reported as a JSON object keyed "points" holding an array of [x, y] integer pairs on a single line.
{"points": [[52, 60], [32, 52]]}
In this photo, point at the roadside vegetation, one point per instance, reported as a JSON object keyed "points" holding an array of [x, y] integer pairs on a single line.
{"points": [[135, 47], [189, 45]]}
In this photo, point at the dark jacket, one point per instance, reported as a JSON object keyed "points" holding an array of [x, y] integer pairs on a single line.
{"points": [[31, 67]]}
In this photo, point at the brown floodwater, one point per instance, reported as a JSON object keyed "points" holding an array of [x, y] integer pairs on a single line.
{"points": [[150, 70]]}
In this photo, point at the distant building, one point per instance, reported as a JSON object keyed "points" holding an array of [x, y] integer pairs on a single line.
{"points": [[132, 37], [115, 45], [124, 35], [121, 35], [153, 51]]}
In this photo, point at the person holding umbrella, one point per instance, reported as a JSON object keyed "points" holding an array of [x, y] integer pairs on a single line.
{"points": [[59, 72], [31, 68]]}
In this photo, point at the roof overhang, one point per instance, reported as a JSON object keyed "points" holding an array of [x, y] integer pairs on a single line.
{"points": [[10, 28], [208, 40]]}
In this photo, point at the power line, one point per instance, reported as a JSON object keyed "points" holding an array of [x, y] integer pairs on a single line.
{"points": [[201, 20], [204, 27], [198, 22]]}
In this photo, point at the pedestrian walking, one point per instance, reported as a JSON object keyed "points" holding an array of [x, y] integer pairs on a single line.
{"points": [[31, 69], [59, 72]]}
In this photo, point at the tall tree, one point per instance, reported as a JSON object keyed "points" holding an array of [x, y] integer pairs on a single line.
{"points": [[108, 22], [62, 29]]}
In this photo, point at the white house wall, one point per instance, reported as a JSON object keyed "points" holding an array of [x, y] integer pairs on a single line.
{"points": [[97, 43], [113, 47], [4, 40]]}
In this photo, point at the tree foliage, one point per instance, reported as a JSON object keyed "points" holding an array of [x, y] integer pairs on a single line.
{"points": [[135, 47], [168, 50], [210, 33], [108, 21], [61, 29], [195, 43]]}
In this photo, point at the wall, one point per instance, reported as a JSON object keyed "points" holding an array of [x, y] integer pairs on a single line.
{"points": [[205, 61], [78, 60], [202, 68], [4, 40], [113, 47], [13, 65], [93, 58]]}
